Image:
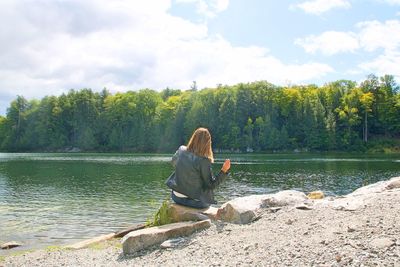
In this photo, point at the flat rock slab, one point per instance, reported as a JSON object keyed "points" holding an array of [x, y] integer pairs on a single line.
{"points": [[358, 199], [130, 229], [11, 244], [179, 213], [86, 243], [141, 239], [348, 204]]}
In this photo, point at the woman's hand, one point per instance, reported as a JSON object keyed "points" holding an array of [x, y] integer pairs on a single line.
{"points": [[226, 166]]}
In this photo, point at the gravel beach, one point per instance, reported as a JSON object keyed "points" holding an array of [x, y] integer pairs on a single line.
{"points": [[321, 236]]}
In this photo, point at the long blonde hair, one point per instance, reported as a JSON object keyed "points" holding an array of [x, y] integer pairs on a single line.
{"points": [[200, 144]]}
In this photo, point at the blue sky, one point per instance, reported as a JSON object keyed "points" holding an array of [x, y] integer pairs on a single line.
{"points": [[50, 46]]}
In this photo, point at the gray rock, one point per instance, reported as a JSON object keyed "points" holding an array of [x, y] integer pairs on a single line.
{"points": [[141, 239], [244, 210], [230, 212], [348, 204], [241, 210], [290, 222], [11, 244], [130, 229], [377, 187], [285, 198], [358, 199], [393, 183], [172, 243], [274, 209], [382, 242], [351, 229], [304, 207], [88, 242], [179, 213]]}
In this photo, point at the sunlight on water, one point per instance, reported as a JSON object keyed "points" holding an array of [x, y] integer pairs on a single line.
{"points": [[57, 198], [82, 157]]}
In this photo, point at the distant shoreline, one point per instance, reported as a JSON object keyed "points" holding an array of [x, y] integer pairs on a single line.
{"points": [[388, 151]]}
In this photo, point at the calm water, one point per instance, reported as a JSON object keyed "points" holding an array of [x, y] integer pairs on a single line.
{"points": [[54, 199]]}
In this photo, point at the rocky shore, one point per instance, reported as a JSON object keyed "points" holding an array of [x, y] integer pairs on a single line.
{"points": [[360, 229]]}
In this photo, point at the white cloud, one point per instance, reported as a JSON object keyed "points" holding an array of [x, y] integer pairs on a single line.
{"points": [[226, 64], [392, 2], [372, 37], [208, 8], [317, 7], [329, 43], [384, 64], [220, 5], [53, 46], [375, 34], [385, 37]]}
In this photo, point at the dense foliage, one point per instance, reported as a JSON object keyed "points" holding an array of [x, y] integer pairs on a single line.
{"points": [[257, 116]]}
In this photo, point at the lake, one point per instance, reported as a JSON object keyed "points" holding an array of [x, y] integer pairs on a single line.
{"points": [[55, 199]]}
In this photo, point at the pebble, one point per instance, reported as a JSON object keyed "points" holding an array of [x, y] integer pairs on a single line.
{"points": [[172, 243], [290, 222], [350, 229]]}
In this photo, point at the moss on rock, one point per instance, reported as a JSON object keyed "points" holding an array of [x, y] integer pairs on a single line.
{"points": [[162, 216]]}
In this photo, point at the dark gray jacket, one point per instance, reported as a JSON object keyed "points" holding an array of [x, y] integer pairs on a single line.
{"points": [[193, 176]]}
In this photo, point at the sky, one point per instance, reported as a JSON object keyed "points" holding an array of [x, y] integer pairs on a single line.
{"points": [[48, 47]]}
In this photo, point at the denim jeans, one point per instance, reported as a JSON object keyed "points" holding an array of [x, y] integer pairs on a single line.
{"points": [[185, 201]]}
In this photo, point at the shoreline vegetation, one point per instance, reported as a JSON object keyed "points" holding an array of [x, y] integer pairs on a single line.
{"points": [[375, 150], [252, 117], [358, 229]]}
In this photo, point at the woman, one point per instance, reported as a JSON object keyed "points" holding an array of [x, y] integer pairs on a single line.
{"points": [[193, 182]]}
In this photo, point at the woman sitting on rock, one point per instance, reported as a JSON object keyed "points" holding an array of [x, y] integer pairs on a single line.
{"points": [[193, 182]]}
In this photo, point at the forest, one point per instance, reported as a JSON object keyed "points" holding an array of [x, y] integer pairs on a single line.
{"points": [[247, 117]]}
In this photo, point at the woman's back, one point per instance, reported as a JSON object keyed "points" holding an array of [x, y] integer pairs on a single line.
{"points": [[193, 175]]}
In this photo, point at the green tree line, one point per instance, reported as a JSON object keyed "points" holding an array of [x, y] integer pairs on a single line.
{"points": [[258, 116]]}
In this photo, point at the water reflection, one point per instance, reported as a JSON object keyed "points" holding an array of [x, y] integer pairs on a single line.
{"points": [[50, 201]]}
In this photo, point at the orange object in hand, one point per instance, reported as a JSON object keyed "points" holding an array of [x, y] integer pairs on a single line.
{"points": [[227, 165]]}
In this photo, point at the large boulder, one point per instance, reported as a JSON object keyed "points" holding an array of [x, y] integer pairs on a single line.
{"points": [[286, 198], [141, 239], [244, 210], [241, 210], [378, 187], [393, 183], [359, 198]]}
